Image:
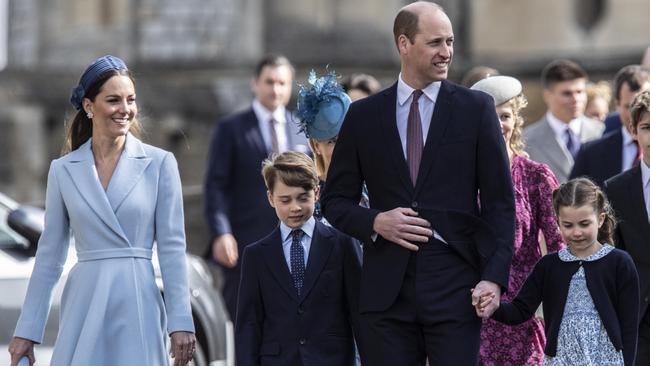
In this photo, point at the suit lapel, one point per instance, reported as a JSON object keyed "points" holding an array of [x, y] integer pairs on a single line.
{"points": [[319, 253], [637, 201], [128, 172], [556, 150], [277, 263], [388, 126], [439, 120], [251, 127], [81, 167]]}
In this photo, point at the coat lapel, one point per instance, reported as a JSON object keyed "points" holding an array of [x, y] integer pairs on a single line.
{"points": [[637, 201], [253, 133], [439, 120], [277, 264], [81, 167], [128, 172], [556, 150], [319, 253], [388, 123]]}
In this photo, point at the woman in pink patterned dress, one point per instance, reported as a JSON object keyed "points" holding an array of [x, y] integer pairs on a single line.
{"points": [[533, 185]]}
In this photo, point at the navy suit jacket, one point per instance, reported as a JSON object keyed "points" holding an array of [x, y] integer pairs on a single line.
{"points": [[235, 194], [600, 159], [275, 326], [625, 193], [464, 153]]}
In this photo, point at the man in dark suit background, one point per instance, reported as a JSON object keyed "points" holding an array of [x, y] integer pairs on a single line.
{"points": [[424, 147], [616, 151], [235, 196]]}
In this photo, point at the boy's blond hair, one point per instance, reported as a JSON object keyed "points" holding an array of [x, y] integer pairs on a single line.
{"points": [[294, 169]]}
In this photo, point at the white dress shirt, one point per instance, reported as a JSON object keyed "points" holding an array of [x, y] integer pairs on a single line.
{"points": [[263, 117], [426, 103], [645, 178], [559, 128], [629, 150], [308, 229]]}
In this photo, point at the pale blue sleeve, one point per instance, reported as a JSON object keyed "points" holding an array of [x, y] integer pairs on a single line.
{"points": [[170, 238], [50, 257]]}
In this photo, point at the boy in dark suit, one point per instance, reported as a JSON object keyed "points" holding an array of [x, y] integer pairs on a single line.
{"points": [[298, 292], [629, 194]]}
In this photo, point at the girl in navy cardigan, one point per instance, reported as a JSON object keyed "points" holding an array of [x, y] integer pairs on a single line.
{"points": [[589, 290]]}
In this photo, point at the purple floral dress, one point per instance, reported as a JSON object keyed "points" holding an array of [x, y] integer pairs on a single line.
{"points": [[520, 345]]}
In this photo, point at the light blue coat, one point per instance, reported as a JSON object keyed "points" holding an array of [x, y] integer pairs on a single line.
{"points": [[112, 313]]}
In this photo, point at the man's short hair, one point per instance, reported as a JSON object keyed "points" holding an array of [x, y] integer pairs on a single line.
{"points": [[273, 60], [406, 23], [295, 169], [639, 107], [558, 71], [632, 75]]}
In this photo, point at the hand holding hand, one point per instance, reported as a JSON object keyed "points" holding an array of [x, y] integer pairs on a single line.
{"points": [[19, 348], [486, 298], [403, 227], [225, 251], [182, 350]]}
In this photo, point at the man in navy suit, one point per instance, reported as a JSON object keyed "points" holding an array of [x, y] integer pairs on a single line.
{"points": [[235, 206], [425, 149], [616, 151], [299, 287]]}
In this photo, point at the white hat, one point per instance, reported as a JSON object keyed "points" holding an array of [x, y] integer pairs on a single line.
{"points": [[500, 88]]}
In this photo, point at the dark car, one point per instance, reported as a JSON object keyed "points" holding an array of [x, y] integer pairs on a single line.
{"points": [[20, 228]]}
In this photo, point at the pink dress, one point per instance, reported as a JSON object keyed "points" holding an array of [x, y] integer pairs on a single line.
{"points": [[533, 185]]}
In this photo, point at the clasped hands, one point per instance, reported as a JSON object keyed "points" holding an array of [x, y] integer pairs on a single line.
{"points": [[403, 227]]}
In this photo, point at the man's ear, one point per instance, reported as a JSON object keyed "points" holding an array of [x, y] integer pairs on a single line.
{"points": [[269, 195], [402, 43]]}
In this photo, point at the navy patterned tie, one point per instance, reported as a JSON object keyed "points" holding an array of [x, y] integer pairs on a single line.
{"points": [[569, 143], [414, 139], [297, 259]]}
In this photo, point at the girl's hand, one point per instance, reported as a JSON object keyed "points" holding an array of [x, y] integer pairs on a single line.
{"points": [[182, 350], [19, 348]]}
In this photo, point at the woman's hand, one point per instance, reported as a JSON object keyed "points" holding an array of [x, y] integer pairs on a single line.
{"points": [[182, 347], [20, 347]]}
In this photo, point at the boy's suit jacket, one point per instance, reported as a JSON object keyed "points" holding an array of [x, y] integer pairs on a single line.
{"points": [[600, 159], [625, 193], [275, 326]]}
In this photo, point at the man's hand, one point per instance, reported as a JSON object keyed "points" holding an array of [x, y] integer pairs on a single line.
{"points": [[224, 250], [486, 298], [403, 227], [19, 348], [182, 347]]}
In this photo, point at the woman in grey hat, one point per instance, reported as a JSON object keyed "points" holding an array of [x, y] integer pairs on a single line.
{"points": [[533, 185], [115, 195]]}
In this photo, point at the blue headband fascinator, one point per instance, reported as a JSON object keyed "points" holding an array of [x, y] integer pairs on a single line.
{"points": [[322, 106], [92, 73]]}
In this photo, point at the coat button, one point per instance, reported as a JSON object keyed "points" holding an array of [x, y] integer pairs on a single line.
{"points": [[646, 299], [301, 310], [302, 341], [414, 204]]}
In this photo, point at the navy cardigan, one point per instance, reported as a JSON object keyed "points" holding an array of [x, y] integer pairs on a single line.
{"points": [[612, 282]]}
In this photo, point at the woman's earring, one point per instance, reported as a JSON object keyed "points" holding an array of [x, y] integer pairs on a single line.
{"points": [[89, 115]]}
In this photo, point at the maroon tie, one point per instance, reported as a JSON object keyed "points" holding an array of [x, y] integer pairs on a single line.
{"points": [[275, 147], [414, 140]]}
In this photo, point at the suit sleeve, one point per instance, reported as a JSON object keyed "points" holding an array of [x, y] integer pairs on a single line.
{"points": [[523, 306], [342, 193], [250, 313], [496, 195], [170, 239], [50, 258], [217, 180], [352, 280], [627, 306]]}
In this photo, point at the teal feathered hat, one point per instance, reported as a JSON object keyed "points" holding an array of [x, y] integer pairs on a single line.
{"points": [[322, 106]]}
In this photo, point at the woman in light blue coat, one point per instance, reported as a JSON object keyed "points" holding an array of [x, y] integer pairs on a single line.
{"points": [[116, 196]]}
